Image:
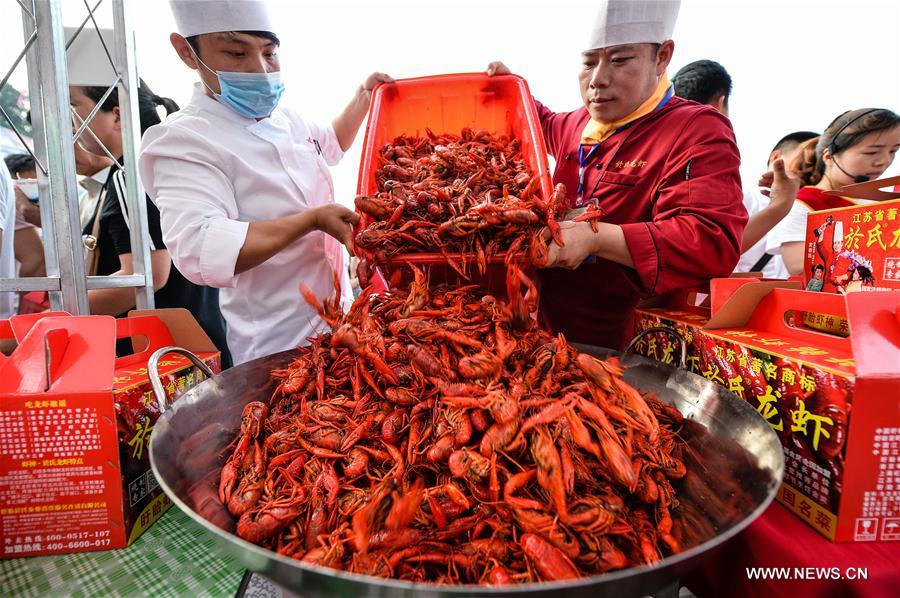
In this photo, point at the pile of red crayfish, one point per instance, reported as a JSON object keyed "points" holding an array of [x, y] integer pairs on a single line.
{"points": [[435, 436], [470, 193]]}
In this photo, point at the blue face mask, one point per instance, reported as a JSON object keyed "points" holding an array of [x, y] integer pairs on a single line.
{"points": [[253, 95]]}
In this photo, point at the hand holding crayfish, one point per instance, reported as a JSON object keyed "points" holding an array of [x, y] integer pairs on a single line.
{"points": [[580, 243], [584, 239], [337, 221]]}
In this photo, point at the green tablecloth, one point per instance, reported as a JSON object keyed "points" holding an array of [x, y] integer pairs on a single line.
{"points": [[174, 557]]}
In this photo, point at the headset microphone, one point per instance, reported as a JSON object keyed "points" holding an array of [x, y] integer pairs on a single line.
{"points": [[856, 179]]}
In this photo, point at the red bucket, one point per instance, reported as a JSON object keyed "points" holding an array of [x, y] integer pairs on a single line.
{"points": [[500, 104]]}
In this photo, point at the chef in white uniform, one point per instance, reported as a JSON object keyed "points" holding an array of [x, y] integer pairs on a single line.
{"points": [[242, 184]]}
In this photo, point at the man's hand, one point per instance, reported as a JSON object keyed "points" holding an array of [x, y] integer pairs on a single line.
{"points": [[336, 221], [580, 243], [497, 68], [370, 83], [783, 184], [347, 123], [783, 189]]}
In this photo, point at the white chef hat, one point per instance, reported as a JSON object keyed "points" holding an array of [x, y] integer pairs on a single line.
{"points": [[838, 232], [634, 22], [87, 61], [196, 17]]}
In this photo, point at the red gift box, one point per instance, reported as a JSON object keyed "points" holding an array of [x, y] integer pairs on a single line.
{"points": [[833, 399], [75, 422], [855, 248]]}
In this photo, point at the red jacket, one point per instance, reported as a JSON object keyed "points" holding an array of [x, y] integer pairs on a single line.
{"points": [[671, 180]]}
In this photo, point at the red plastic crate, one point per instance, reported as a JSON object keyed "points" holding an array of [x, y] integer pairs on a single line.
{"points": [[446, 104]]}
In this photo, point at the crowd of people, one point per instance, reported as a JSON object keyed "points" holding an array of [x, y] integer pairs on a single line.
{"points": [[857, 146], [241, 206]]}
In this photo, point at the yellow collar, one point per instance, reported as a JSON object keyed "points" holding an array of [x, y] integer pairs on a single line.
{"points": [[598, 131]]}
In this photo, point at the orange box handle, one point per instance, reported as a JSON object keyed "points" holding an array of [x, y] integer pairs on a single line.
{"points": [[770, 315], [150, 327]]}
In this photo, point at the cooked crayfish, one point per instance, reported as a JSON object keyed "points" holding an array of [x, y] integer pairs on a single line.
{"points": [[435, 436], [462, 193]]}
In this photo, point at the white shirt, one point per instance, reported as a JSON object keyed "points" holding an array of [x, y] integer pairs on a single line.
{"points": [[211, 172], [8, 301], [755, 201], [792, 228], [93, 184]]}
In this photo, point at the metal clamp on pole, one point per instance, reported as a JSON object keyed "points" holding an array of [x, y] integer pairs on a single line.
{"points": [[682, 361], [153, 372]]}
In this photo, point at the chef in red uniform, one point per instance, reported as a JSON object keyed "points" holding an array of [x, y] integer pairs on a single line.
{"points": [[839, 268], [664, 171]]}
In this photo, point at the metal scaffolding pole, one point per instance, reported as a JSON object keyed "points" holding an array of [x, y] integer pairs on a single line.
{"points": [[57, 133], [35, 92], [131, 143]]}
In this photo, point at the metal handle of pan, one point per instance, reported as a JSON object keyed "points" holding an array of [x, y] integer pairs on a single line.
{"points": [[682, 361], [153, 372]]}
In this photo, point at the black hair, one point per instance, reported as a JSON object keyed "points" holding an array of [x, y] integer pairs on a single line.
{"points": [[792, 140], [17, 163], [702, 81], [818, 267], [268, 35], [865, 274], [147, 103]]}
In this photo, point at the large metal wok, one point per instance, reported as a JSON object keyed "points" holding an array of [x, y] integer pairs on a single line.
{"points": [[742, 467]]}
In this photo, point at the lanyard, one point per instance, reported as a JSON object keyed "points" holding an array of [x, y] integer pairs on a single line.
{"points": [[584, 159]]}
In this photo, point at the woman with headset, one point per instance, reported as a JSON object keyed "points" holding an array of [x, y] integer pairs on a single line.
{"points": [[858, 146]]}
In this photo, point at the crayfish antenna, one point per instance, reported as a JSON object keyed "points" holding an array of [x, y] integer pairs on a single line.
{"points": [[329, 310], [312, 300]]}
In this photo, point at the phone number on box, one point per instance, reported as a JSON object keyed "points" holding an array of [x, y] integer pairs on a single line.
{"points": [[76, 535], [78, 544]]}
